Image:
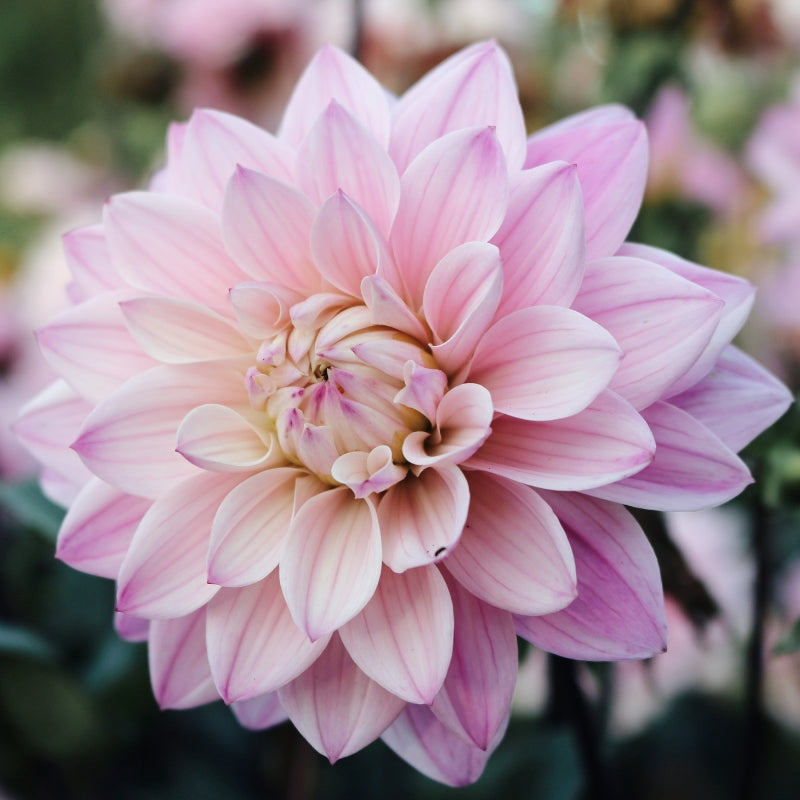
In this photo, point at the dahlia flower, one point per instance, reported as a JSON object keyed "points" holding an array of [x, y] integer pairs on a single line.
{"points": [[346, 409]]}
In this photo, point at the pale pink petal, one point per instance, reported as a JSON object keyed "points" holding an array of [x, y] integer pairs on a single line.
{"points": [[476, 86], [422, 518], [475, 698], [131, 629], [47, 426], [542, 240], [619, 610], [544, 362], [424, 388], [454, 191], [253, 644], [176, 332], [163, 574], [266, 226], [262, 308], [737, 294], [333, 75], [89, 261], [331, 560], [463, 421], [403, 638], [366, 473], [605, 442], [129, 439], [217, 438], [168, 245], [250, 526], [610, 151], [60, 489], [90, 346], [433, 749], [661, 321], [179, 671], [215, 143], [336, 707], [98, 528], [388, 308], [258, 713], [460, 300], [340, 154], [692, 468], [513, 553], [737, 400]]}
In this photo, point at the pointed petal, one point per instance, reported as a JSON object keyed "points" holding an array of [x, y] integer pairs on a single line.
{"points": [[340, 154], [129, 439], [98, 528], [388, 308], [168, 245], [542, 240], [266, 226], [90, 346], [177, 332], [258, 713], [250, 527], [544, 362], [425, 743], [603, 443], [333, 75], [163, 574], [421, 519], [610, 151], [454, 191], [513, 553], [619, 611], [737, 400], [692, 468], [215, 143], [179, 669], [331, 561], [661, 321], [403, 639], [336, 707], [475, 698], [253, 645], [474, 87], [460, 300]]}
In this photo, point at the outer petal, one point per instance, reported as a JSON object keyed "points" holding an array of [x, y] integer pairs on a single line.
{"points": [[98, 528], [454, 191], [737, 400], [425, 743], [513, 553], [179, 669], [260, 712], [165, 244], [131, 629], [336, 707], [163, 574], [662, 322], [89, 261], [403, 639], [475, 698], [333, 75], [474, 87], [610, 151], [331, 561], [250, 527], [253, 645], [692, 468], [619, 611], [542, 240], [214, 143], [603, 443], [421, 519], [266, 227], [544, 362], [340, 154]]}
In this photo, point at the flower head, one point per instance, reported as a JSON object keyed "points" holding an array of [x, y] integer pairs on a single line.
{"points": [[348, 407]]}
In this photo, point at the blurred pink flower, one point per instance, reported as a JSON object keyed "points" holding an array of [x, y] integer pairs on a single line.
{"points": [[345, 408]]}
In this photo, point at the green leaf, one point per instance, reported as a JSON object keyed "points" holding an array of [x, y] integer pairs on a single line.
{"points": [[26, 503], [789, 642]]}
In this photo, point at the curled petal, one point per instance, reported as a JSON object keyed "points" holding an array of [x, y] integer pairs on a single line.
{"points": [[388, 308], [424, 388], [366, 473]]}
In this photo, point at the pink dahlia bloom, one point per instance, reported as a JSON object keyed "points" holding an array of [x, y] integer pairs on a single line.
{"points": [[347, 408]]}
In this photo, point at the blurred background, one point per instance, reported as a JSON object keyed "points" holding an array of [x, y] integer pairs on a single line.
{"points": [[87, 88]]}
